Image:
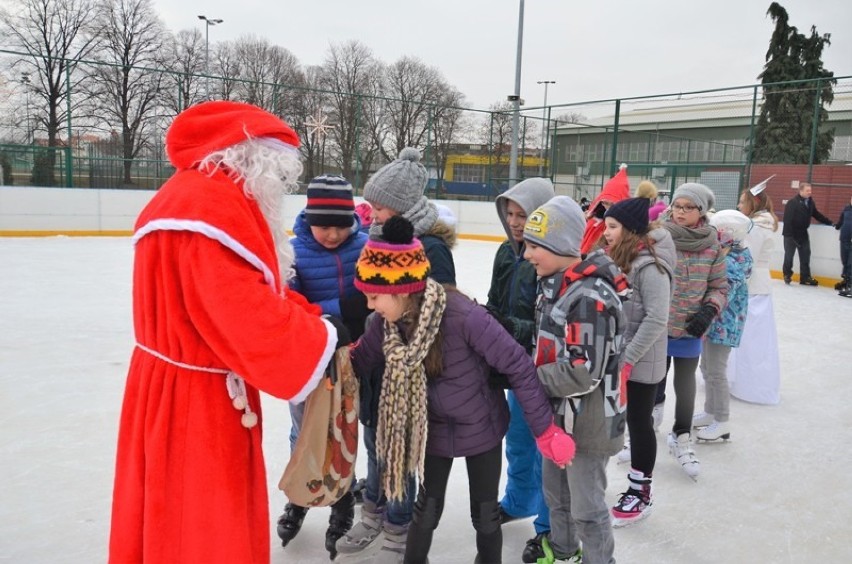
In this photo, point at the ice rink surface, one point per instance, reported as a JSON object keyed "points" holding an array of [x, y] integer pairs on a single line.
{"points": [[777, 492]]}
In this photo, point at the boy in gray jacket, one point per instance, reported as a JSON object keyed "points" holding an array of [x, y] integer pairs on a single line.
{"points": [[579, 322]]}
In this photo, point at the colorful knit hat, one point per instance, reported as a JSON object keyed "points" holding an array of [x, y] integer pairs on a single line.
{"points": [[631, 213], [212, 126], [330, 202], [394, 264]]}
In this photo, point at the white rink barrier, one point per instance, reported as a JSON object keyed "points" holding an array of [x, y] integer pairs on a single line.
{"points": [[36, 211]]}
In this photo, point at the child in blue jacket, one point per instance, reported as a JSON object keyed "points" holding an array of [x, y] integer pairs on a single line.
{"points": [[327, 242], [727, 329]]}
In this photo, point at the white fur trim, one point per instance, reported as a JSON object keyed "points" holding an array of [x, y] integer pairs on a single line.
{"points": [[277, 144], [213, 233], [316, 377]]}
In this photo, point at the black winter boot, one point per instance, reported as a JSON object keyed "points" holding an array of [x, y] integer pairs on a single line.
{"points": [[340, 521], [290, 522]]}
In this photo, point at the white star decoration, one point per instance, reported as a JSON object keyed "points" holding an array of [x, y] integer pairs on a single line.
{"points": [[318, 125]]}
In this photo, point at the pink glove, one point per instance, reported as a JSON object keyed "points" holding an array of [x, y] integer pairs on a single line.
{"points": [[626, 370], [556, 445]]}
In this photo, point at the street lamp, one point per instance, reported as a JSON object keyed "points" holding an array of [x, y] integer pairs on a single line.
{"points": [[516, 99], [25, 80], [544, 124], [208, 22]]}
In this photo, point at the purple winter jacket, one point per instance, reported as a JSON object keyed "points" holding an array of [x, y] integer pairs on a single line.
{"points": [[466, 415]]}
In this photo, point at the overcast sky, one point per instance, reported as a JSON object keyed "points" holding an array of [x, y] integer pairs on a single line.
{"points": [[592, 49]]}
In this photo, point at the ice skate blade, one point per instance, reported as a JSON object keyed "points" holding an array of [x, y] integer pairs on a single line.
{"points": [[720, 439], [620, 523]]}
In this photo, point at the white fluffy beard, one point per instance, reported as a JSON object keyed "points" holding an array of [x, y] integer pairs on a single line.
{"points": [[269, 171]]}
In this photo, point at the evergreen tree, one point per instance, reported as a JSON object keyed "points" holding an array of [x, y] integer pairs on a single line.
{"points": [[785, 127]]}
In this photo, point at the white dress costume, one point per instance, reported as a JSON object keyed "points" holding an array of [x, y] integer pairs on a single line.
{"points": [[754, 370]]}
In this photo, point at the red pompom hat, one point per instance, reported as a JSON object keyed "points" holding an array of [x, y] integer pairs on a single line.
{"points": [[211, 126]]}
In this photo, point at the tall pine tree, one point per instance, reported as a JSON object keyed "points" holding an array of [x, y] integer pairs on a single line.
{"points": [[785, 127]]}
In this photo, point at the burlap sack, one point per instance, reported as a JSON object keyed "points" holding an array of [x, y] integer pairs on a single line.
{"points": [[322, 465]]}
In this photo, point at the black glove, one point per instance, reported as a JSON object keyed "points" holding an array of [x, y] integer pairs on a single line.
{"points": [[507, 322], [697, 325], [344, 339], [837, 226]]}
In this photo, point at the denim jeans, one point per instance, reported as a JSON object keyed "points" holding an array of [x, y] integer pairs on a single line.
{"points": [[396, 512]]}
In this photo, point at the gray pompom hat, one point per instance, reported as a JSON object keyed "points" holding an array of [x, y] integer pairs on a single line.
{"points": [[698, 194], [399, 185]]}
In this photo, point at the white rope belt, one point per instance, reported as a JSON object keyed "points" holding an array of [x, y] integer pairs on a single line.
{"points": [[234, 383]]}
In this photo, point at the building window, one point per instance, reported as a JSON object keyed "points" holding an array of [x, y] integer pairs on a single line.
{"points": [[468, 173]]}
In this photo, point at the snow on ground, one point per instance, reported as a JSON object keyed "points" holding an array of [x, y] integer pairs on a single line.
{"points": [[775, 493]]}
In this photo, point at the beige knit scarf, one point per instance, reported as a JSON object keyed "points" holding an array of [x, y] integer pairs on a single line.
{"points": [[402, 425]]}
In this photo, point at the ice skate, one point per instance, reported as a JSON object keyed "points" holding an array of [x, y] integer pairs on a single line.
{"points": [[533, 550], [357, 490], [290, 522], [702, 419], [841, 285], [657, 414], [681, 448], [363, 537], [846, 292], [635, 504], [551, 557], [716, 431], [340, 521], [393, 544]]}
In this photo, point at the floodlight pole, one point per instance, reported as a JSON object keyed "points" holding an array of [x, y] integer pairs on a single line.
{"points": [[208, 22], [544, 124], [516, 100]]}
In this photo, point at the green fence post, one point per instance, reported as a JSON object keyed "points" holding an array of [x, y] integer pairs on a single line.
{"points": [[69, 173], [358, 141], [426, 150], [490, 154], [814, 128], [750, 155], [615, 137]]}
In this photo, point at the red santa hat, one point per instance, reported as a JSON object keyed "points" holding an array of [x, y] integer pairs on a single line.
{"points": [[211, 126]]}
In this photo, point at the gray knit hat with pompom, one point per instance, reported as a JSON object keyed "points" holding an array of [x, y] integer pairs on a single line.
{"points": [[400, 184]]}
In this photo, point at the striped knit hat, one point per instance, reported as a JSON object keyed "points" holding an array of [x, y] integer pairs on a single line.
{"points": [[330, 202], [394, 264]]}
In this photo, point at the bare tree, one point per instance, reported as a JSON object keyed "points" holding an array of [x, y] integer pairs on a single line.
{"points": [[56, 34], [310, 119], [570, 117], [184, 57], [349, 72], [415, 90], [227, 66], [264, 68], [448, 125], [124, 90]]}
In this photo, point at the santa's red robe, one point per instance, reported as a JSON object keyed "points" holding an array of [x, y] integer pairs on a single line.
{"points": [[190, 482]]}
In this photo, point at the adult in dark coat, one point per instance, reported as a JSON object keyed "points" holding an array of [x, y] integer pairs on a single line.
{"points": [[797, 218]]}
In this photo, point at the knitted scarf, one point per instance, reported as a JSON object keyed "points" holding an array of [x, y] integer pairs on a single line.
{"points": [[402, 422], [422, 216], [691, 238]]}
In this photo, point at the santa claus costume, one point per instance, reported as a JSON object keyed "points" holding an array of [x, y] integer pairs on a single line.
{"points": [[616, 189], [214, 324]]}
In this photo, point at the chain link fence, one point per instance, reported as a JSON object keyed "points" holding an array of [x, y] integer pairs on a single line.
{"points": [[707, 136]]}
